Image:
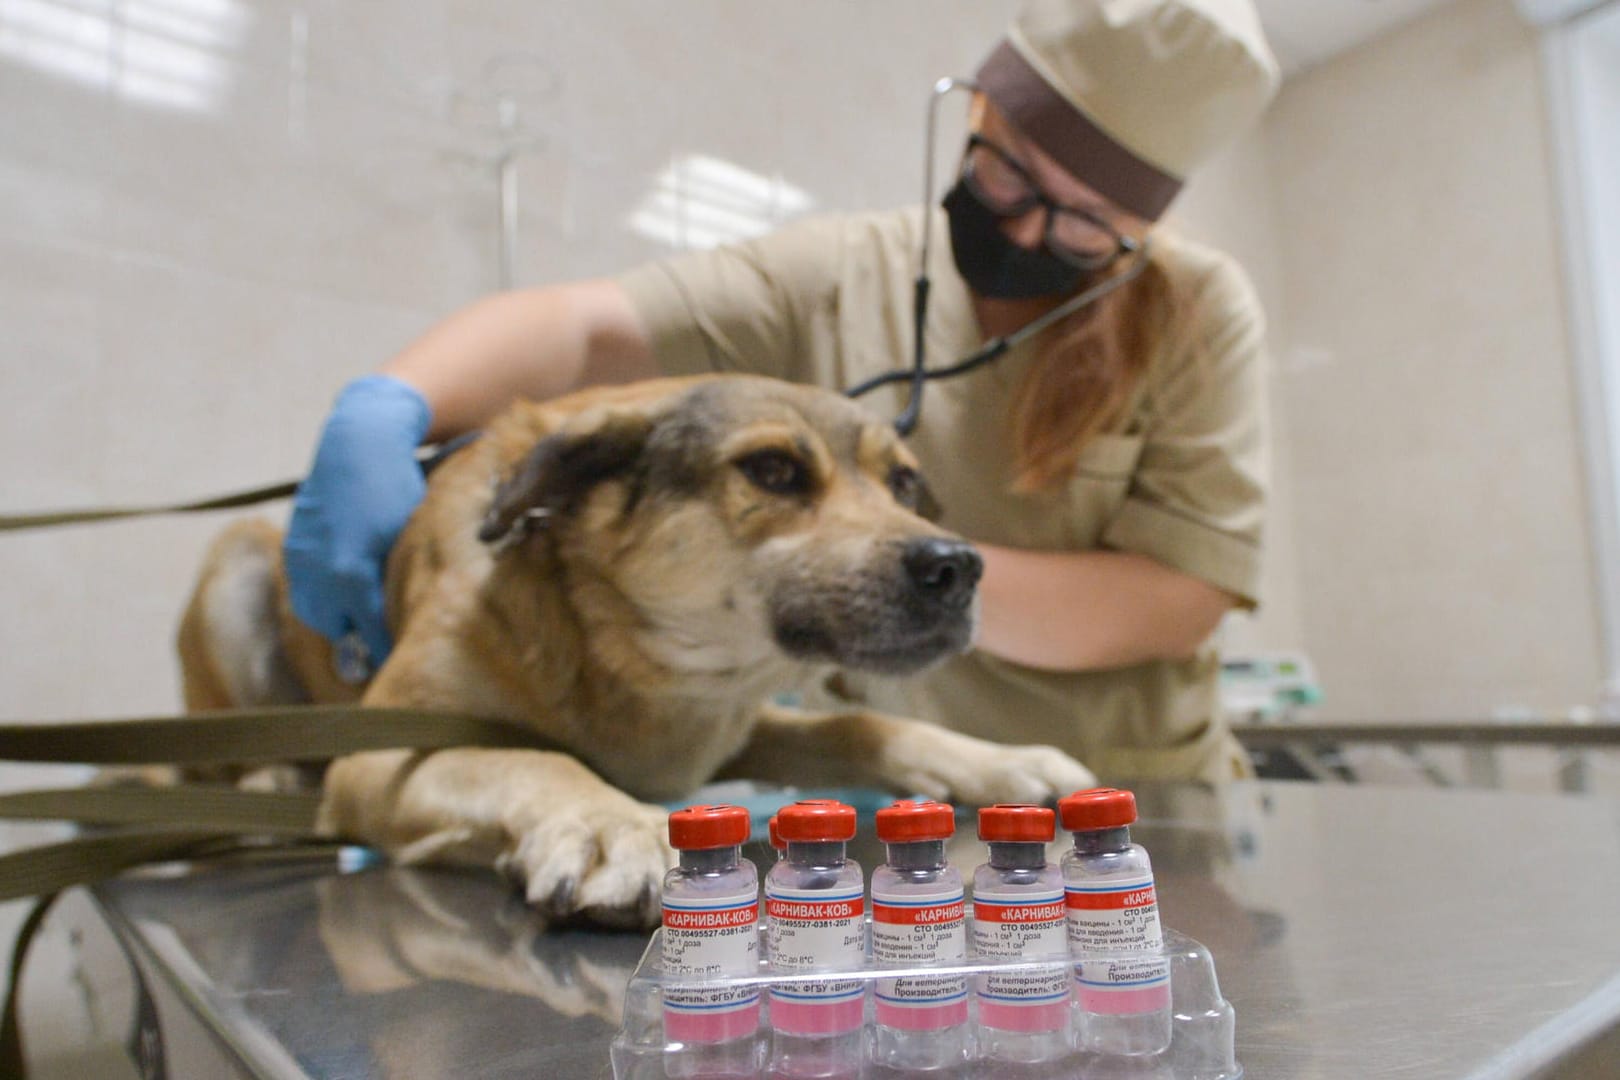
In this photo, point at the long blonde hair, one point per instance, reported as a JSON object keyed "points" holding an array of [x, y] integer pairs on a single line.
{"points": [[1085, 376]]}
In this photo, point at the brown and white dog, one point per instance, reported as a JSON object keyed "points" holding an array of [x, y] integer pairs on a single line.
{"points": [[633, 572]]}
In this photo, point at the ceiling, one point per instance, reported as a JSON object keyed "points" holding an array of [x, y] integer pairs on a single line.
{"points": [[1306, 32]]}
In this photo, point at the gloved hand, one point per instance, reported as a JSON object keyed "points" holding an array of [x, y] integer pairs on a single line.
{"points": [[362, 488]]}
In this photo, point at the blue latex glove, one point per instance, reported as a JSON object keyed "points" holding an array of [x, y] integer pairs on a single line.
{"points": [[363, 487]]}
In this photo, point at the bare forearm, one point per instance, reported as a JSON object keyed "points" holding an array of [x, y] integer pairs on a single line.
{"points": [[532, 343], [1092, 609]]}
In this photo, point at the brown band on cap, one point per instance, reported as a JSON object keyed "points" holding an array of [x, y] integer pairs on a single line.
{"points": [[1069, 136]]}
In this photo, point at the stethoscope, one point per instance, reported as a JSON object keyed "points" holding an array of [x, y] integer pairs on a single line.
{"points": [[919, 373]]}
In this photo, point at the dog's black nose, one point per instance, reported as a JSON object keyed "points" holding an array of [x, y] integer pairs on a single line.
{"points": [[943, 570]]}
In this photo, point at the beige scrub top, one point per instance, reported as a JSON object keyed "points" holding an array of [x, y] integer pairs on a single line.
{"points": [[829, 301]]}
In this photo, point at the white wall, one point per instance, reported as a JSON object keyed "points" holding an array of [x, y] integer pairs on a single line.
{"points": [[1439, 515]]}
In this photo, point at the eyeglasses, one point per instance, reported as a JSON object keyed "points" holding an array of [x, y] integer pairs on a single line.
{"points": [[1005, 187]]}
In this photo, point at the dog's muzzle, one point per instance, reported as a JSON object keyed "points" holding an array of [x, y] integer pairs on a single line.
{"points": [[908, 605], [943, 572]]}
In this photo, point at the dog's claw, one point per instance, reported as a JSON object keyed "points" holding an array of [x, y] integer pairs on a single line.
{"points": [[605, 865], [561, 900]]}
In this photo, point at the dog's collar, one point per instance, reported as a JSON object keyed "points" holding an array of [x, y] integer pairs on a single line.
{"points": [[432, 457], [523, 526]]}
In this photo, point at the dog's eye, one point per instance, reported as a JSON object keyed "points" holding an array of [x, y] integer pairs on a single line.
{"points": [[907, 486], [776, 471]]}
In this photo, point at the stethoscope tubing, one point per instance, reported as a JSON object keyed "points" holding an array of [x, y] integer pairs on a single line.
{"points": [[996, 346], [919, 374]]}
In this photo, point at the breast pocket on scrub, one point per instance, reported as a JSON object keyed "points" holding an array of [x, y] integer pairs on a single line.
{"points": [[1099, 484]]}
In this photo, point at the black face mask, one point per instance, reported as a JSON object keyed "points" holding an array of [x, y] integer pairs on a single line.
{"points": [[994, 266]]}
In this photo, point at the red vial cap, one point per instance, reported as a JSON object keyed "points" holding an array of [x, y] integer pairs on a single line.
{"points": [[699, 827], [776, 834], [1097, 808], [1015, 822], [915, 821], [816, 821]]}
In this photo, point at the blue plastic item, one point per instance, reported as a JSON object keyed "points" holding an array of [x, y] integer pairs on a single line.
{"points": [[362, 488]]}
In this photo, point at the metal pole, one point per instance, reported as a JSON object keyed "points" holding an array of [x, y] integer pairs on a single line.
{"points": [[506, 173]]}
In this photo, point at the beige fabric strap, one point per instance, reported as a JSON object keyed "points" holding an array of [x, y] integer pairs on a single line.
{"points": [[219, 807], [49, 868], [157, 823], [254, 736], [12, 1061]]}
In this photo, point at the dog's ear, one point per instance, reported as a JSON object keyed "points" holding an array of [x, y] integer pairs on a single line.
{"points": [[560, 470]]}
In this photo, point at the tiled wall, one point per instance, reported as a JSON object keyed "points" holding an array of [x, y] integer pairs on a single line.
{"points": [[214, 212]]}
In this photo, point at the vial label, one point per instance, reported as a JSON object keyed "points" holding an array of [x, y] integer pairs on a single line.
{"points": [[1013, 925], [812, 929], [920, 928], [816, 928], [711, 936], [1119, 916]]}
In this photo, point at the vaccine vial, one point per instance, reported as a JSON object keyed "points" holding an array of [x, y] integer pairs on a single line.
{"points": [[711, 926], [1122, 1001], [778, 845], [1018, 914], [815, 905], [918, 917]]}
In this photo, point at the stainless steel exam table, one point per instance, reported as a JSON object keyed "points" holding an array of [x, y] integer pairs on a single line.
{"points": [[1359, 932]]}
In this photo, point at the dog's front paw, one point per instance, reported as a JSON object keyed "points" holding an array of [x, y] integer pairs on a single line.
{"points": [[974, 772], [602, 863]]}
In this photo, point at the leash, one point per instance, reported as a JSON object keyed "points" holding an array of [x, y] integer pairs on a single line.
{"points": [[45, 519], [429, 457], [144, 1043], [145, 824], [134, 825]]}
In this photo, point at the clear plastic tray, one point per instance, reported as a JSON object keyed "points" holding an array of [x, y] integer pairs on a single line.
{"points": [[1201, 1042]]}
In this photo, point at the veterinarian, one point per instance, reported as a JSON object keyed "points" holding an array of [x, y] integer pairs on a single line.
{"points": [[1111, 469]]}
